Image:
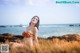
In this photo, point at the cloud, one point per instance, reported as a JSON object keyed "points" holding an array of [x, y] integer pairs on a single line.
{"points": [[10, 2], [25, 2], [38, 2]]}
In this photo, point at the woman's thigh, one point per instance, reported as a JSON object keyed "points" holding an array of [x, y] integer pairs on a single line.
{"points": [[28, 42]]}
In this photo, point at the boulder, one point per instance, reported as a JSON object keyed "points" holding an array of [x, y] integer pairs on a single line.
{"points": [[10, 37]]}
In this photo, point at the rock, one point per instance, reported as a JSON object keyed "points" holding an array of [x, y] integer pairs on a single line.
{"points": [[67, 37], [10, 37], [54, 37], [72, 37], [13, 38], [7, 34], [71, 25], [19, 36], [2, 26]]}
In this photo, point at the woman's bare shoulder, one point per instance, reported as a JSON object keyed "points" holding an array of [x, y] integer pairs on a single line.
{"points": [[35, 29]]}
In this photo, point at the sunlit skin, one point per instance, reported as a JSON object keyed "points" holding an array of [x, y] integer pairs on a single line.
{"points": [[31, 42], [33, 30]]}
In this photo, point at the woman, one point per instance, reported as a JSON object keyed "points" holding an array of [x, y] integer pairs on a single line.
{"points": [[30, 39], [30, 35]]}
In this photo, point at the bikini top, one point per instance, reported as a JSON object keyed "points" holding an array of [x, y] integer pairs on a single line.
{"points": [[27, 34]]}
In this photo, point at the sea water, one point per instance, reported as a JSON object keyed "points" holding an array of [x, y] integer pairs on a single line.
{"points": [[45, 30]]}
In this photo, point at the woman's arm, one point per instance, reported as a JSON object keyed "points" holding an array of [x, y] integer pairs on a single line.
{"points": [[35, 35], [36, 43]]}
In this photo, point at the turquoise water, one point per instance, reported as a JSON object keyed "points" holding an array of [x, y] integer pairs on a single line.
{"points": [[45, 30]]}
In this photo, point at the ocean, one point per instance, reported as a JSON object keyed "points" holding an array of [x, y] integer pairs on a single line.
{"points": [[45, 30]]}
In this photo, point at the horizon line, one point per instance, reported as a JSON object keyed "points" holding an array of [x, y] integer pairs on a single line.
{"points": [[40, 24]]}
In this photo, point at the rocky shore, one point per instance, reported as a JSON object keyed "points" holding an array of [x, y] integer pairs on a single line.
{"points": [[68, 43], [12, 38]]}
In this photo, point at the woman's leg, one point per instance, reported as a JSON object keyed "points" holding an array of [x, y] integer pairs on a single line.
{"points": [[28, 42]]}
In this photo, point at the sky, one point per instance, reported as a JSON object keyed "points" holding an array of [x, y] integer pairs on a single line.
{"points": [[15, 12]]}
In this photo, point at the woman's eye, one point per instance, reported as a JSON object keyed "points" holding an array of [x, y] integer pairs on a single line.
{"points": [[36, 19]]}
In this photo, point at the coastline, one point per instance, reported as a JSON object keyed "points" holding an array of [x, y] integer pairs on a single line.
{"points": [[68, 43], [50, 29], [13, 38]]}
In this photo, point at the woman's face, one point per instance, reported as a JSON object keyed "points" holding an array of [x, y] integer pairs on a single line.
{"points": [[34, 20]]}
